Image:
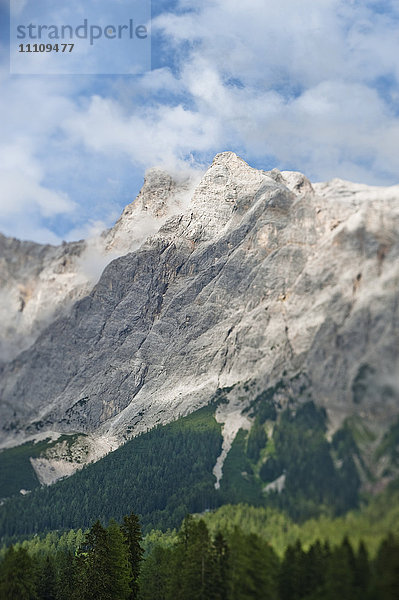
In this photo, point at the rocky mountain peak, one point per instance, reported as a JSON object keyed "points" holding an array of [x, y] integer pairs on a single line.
{"points": [[40, 283], [244, 280]]}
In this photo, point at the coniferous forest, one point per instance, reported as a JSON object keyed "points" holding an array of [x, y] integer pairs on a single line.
{"points": [[315, 540], [166, 473], [110, 563]]}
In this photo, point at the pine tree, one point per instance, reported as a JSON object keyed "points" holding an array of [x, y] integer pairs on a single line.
{"points": [[386, 570], [155, 574], [93, 560], [340, 573], [18, 576], [119, 565], [314, 570], [291, 574], [69, 576], [131, 530], [362, 572], [194, 564], [254, 567], [221, 562], [196, 571], [47, 580], [257, 440]]}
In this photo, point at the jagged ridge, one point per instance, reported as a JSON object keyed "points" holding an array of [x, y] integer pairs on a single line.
{"points": [[260, 278]]}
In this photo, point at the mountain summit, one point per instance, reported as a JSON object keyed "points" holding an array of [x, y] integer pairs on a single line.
{"points": [[245, 282]]}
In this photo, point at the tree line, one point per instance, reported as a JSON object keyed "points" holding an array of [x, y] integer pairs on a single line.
{"points": [[167, 472], [110, 564], [161, 475], [106, 566]]}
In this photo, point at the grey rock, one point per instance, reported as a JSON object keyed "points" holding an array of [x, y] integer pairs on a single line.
{"points": [[39, 283], [35, 287], [260, 277]]}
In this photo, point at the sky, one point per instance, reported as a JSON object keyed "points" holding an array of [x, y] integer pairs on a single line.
{"points": [[310, 86]]}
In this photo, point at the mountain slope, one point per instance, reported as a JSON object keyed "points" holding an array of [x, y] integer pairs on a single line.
{"points": [[169, 471], [161, 475], [261, 282], [40, 283]]}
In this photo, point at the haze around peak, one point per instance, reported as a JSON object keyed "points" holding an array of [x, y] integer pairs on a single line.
{"points": [[310, 87]]}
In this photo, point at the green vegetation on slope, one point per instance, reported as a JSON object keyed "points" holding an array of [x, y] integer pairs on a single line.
{"points": [[16, 471], [285, 462], [161, 475], [198, 563], [390, 445], [105, 566], [371, 523], [167, 472], [313, 480], [320, 477], [238, 483], [240, 565]]}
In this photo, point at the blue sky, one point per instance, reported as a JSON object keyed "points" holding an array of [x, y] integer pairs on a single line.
{"points": [[308, 86]]}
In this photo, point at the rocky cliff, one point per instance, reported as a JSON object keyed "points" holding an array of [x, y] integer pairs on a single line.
{"points": [[40, 283], [246, 281]]}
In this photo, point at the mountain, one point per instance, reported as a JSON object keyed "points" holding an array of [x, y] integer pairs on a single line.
{"points": [[41, 282], [255, 289]]}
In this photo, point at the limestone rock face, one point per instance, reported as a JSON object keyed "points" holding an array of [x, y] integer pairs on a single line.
{"points": [[253, 277], [39, 283], [35, 282]]}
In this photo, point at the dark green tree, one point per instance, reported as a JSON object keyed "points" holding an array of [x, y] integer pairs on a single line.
{"points": [[120, 570], [131, 530], [340, 573], [386, 571], [155, 574], [362, 572], [221, 567], [18, 579], [313, 571], [197, 574], [47, 588], [93, 559], [198, 564], [271, 469], [291, 579], [70, 575], [257, 440], [254, 568]]}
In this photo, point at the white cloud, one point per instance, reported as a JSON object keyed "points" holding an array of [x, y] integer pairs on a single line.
{"points": [[21, 189], [162, 135], [24, 200], [307, 72], [292, 84], [30, 112], [290, 80]]}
